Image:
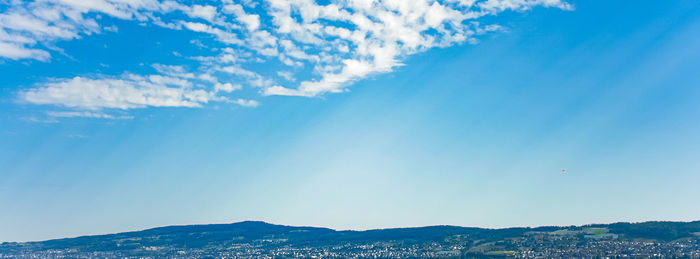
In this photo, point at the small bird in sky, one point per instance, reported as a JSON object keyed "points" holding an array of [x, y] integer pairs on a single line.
{"points": [[563, 170]]}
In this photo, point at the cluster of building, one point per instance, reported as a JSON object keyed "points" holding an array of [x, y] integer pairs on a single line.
{"points": [[588, 243], [599, 246]]}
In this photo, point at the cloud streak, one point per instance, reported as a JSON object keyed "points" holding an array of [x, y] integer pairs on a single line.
{"points": [[129, 91], [86, 114]]}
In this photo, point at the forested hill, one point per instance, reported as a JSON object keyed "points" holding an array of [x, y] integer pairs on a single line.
{"points": [[265, 237]]}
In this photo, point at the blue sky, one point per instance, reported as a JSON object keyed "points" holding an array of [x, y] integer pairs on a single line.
{"points": [[124, 115]]}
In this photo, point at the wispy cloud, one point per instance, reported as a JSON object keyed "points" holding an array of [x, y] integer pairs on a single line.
{"points": [[246, 103], [129, 91], [174, 87], [86, 114]]}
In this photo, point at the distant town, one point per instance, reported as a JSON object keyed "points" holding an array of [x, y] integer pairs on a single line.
{"points": [[263, 240]]}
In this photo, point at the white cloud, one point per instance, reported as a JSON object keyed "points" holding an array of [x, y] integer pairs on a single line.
{"points": [[384, 33], [172, 70], [246, 103], [126, 92], [173, 86], [15, 51], [205, 12], [287, 75], [86, 114], [172, 81], [338, 43], [227, 87], [251, 21], [238, 71], [522, 5]]}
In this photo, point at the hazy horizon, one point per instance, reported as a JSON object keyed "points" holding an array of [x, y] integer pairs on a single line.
{"points": [[346, 114]]}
